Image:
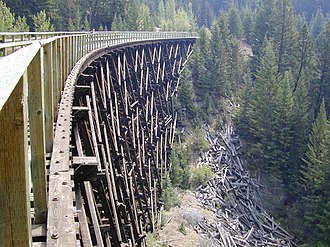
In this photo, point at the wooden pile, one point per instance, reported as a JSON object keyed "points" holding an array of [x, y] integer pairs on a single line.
{"points": [[232, 195]]}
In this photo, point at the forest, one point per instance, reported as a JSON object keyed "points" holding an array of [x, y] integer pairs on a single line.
{"points": [[270, 57]]}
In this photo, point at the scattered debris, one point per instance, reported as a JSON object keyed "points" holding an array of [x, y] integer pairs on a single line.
{"points": [[233, 196]]}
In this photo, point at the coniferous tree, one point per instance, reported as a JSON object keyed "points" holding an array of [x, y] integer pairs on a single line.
{"points": [[283, 121], [317, 23], [199, 72], [247, 22], [261, 111], [86, 26], [317, 154], [235, 23], [7, 19], [144, 22], [42, 22], [301, 125], [161, 12], [186, 93], [315, 177], [260, 29], [284, 34], [323, 42], [21, 25], [181, 21]]}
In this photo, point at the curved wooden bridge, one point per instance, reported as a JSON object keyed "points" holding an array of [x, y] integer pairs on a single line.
{"points": [[86, 130]]}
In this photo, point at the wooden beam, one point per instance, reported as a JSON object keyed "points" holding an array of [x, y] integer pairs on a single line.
{"points": [[15, 219], [37, 136], [49, 103]]}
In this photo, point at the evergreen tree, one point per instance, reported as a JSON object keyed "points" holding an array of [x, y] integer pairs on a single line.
{"points": [[144, 22], [21, 25], [182, 21], [53, 12], [323, 42], [86, 26], [316, 184], [317, 159], [235, 23], [261, 111], [71, 26], [161, 12], [260, 29], [283, 32], [198, 60], [42, 22], [283, 122], [317, 23], [186, 93], [301, 126], [247, 20], [217, 64], [170, 9], [7, 19]]}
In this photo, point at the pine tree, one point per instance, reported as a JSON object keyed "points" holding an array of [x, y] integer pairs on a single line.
{"points": [[235, 23], [260, 29], [20, 24], [42, 22], [218, 63], [181, 21], [261, 110], [323, 42], [7, 19], [308, 72], [161, 12], [317, 158], [247, 20], [301, 125], [144, 22], [170, 9], [186, 93], [199, 72], [71, 26], [284, 34], [317, 23], [315, 177], [86, 26], [283, 122]]}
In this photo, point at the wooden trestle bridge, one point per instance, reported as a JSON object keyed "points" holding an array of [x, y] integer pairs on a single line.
{"points": [[86, 130]]}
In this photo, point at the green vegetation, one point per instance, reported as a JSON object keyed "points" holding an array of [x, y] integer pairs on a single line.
{"points": [[169, 195], [152, 241], [182, 229]]}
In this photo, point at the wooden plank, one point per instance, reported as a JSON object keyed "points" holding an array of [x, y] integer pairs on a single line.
{"points": [[39, 230], [83, 221], [15, 222], [37, 137], [91, 205], [12, 69], [49, 97], [39, 244]]}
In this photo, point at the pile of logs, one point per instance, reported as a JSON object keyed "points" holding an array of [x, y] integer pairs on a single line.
{"points": [[233, 195]]}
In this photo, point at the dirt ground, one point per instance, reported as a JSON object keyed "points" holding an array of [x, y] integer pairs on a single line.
{"points": [[188, 214]]}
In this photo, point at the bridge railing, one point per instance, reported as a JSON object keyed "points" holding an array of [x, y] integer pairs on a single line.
{"points": [[31, 83]]}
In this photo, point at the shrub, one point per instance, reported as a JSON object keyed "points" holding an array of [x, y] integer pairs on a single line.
{"points": [[182, 229], [169, 196], [200, 175]]}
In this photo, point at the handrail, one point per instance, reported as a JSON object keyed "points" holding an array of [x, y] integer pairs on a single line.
{"points": [[31, 83]]}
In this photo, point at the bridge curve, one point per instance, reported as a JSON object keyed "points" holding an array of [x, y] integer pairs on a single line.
{"points": [[108, 153]]}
